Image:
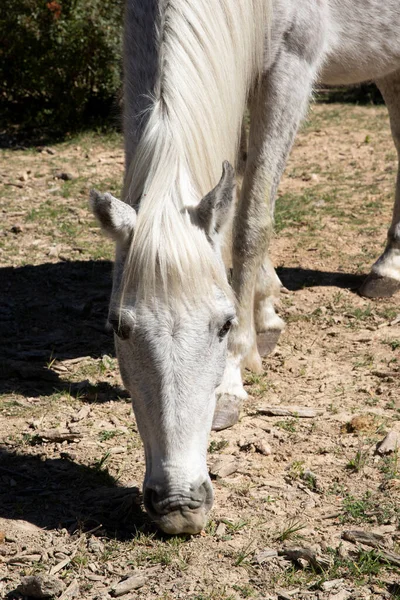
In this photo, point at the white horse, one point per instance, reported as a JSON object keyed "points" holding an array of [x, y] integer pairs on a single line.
{"points": [[190, 70]]}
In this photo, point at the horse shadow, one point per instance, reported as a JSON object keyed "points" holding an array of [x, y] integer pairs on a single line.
{"points": [[53, 312], [59, 493], [295, 279], [59, 310]]}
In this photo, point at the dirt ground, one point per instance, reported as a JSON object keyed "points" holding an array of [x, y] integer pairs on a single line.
{"points": [[71, 460]]}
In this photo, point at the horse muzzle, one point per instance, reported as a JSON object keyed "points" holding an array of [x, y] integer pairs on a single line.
{"points": [[177, 511]]}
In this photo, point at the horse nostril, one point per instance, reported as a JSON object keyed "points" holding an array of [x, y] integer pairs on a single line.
{"points": [[200, 494], [164, 502], [121, 328], [151, 499]]}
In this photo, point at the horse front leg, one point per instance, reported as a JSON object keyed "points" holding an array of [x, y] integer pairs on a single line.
{"points": [[268, 324], [275, 112], [384, 279]]}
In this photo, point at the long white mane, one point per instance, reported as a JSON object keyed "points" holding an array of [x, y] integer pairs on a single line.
{"points": [[208, 54]]}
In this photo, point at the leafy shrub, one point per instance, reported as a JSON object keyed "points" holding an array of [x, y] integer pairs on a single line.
{"points": [[60, 65], [364, 93], [59, 60]]}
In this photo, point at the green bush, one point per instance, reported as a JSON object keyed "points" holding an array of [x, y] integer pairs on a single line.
{"points": [[364, 93], [60, 60], [60, 64]]}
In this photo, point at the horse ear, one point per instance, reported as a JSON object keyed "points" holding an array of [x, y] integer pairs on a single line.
{"points": [[214, 208], [116, 218]]}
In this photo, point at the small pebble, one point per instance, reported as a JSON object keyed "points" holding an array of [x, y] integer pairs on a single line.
{"points": [[390, 443], [224, 466], [65, 176], [40, 586], [332, 584], [263, 448], [127, 585]]}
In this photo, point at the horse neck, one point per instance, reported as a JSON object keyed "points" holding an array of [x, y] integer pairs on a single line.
{"points": [[188, 69]]}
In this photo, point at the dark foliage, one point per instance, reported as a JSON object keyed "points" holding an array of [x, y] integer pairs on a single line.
{"points": [[60, 68], [365, 93], [60, 62]]}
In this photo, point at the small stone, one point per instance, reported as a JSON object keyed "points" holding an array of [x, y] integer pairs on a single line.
{"points": [[94, 577], [54, 250], [81, 414], [224, 466], [17, 229], [127, 585], [59, 435], [265, 555], [332, 584], [23, 177], [342, 595], [310, 177], [289, 411], [390, 443], [60, 555], [68, 455], [285, 595], [50, 151], [95, 545], [24, 558], [221, 530], [262, 447], [65, 176], [71, 591], [40, 586], [246, 445], [117, 450]]}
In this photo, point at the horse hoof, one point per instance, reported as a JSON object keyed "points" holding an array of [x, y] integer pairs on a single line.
{"points": [[227, 412], [376, 286], [267, 340]]}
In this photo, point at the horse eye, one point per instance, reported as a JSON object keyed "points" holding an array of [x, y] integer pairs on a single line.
{"points": [[121, 329], [225, 328]]}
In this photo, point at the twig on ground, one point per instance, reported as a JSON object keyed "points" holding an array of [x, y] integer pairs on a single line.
{"points": [[285, 411], [318, 563], [375, 541]]}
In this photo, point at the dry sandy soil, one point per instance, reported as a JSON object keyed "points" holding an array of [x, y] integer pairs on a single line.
{"points": [[71, 461]]}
